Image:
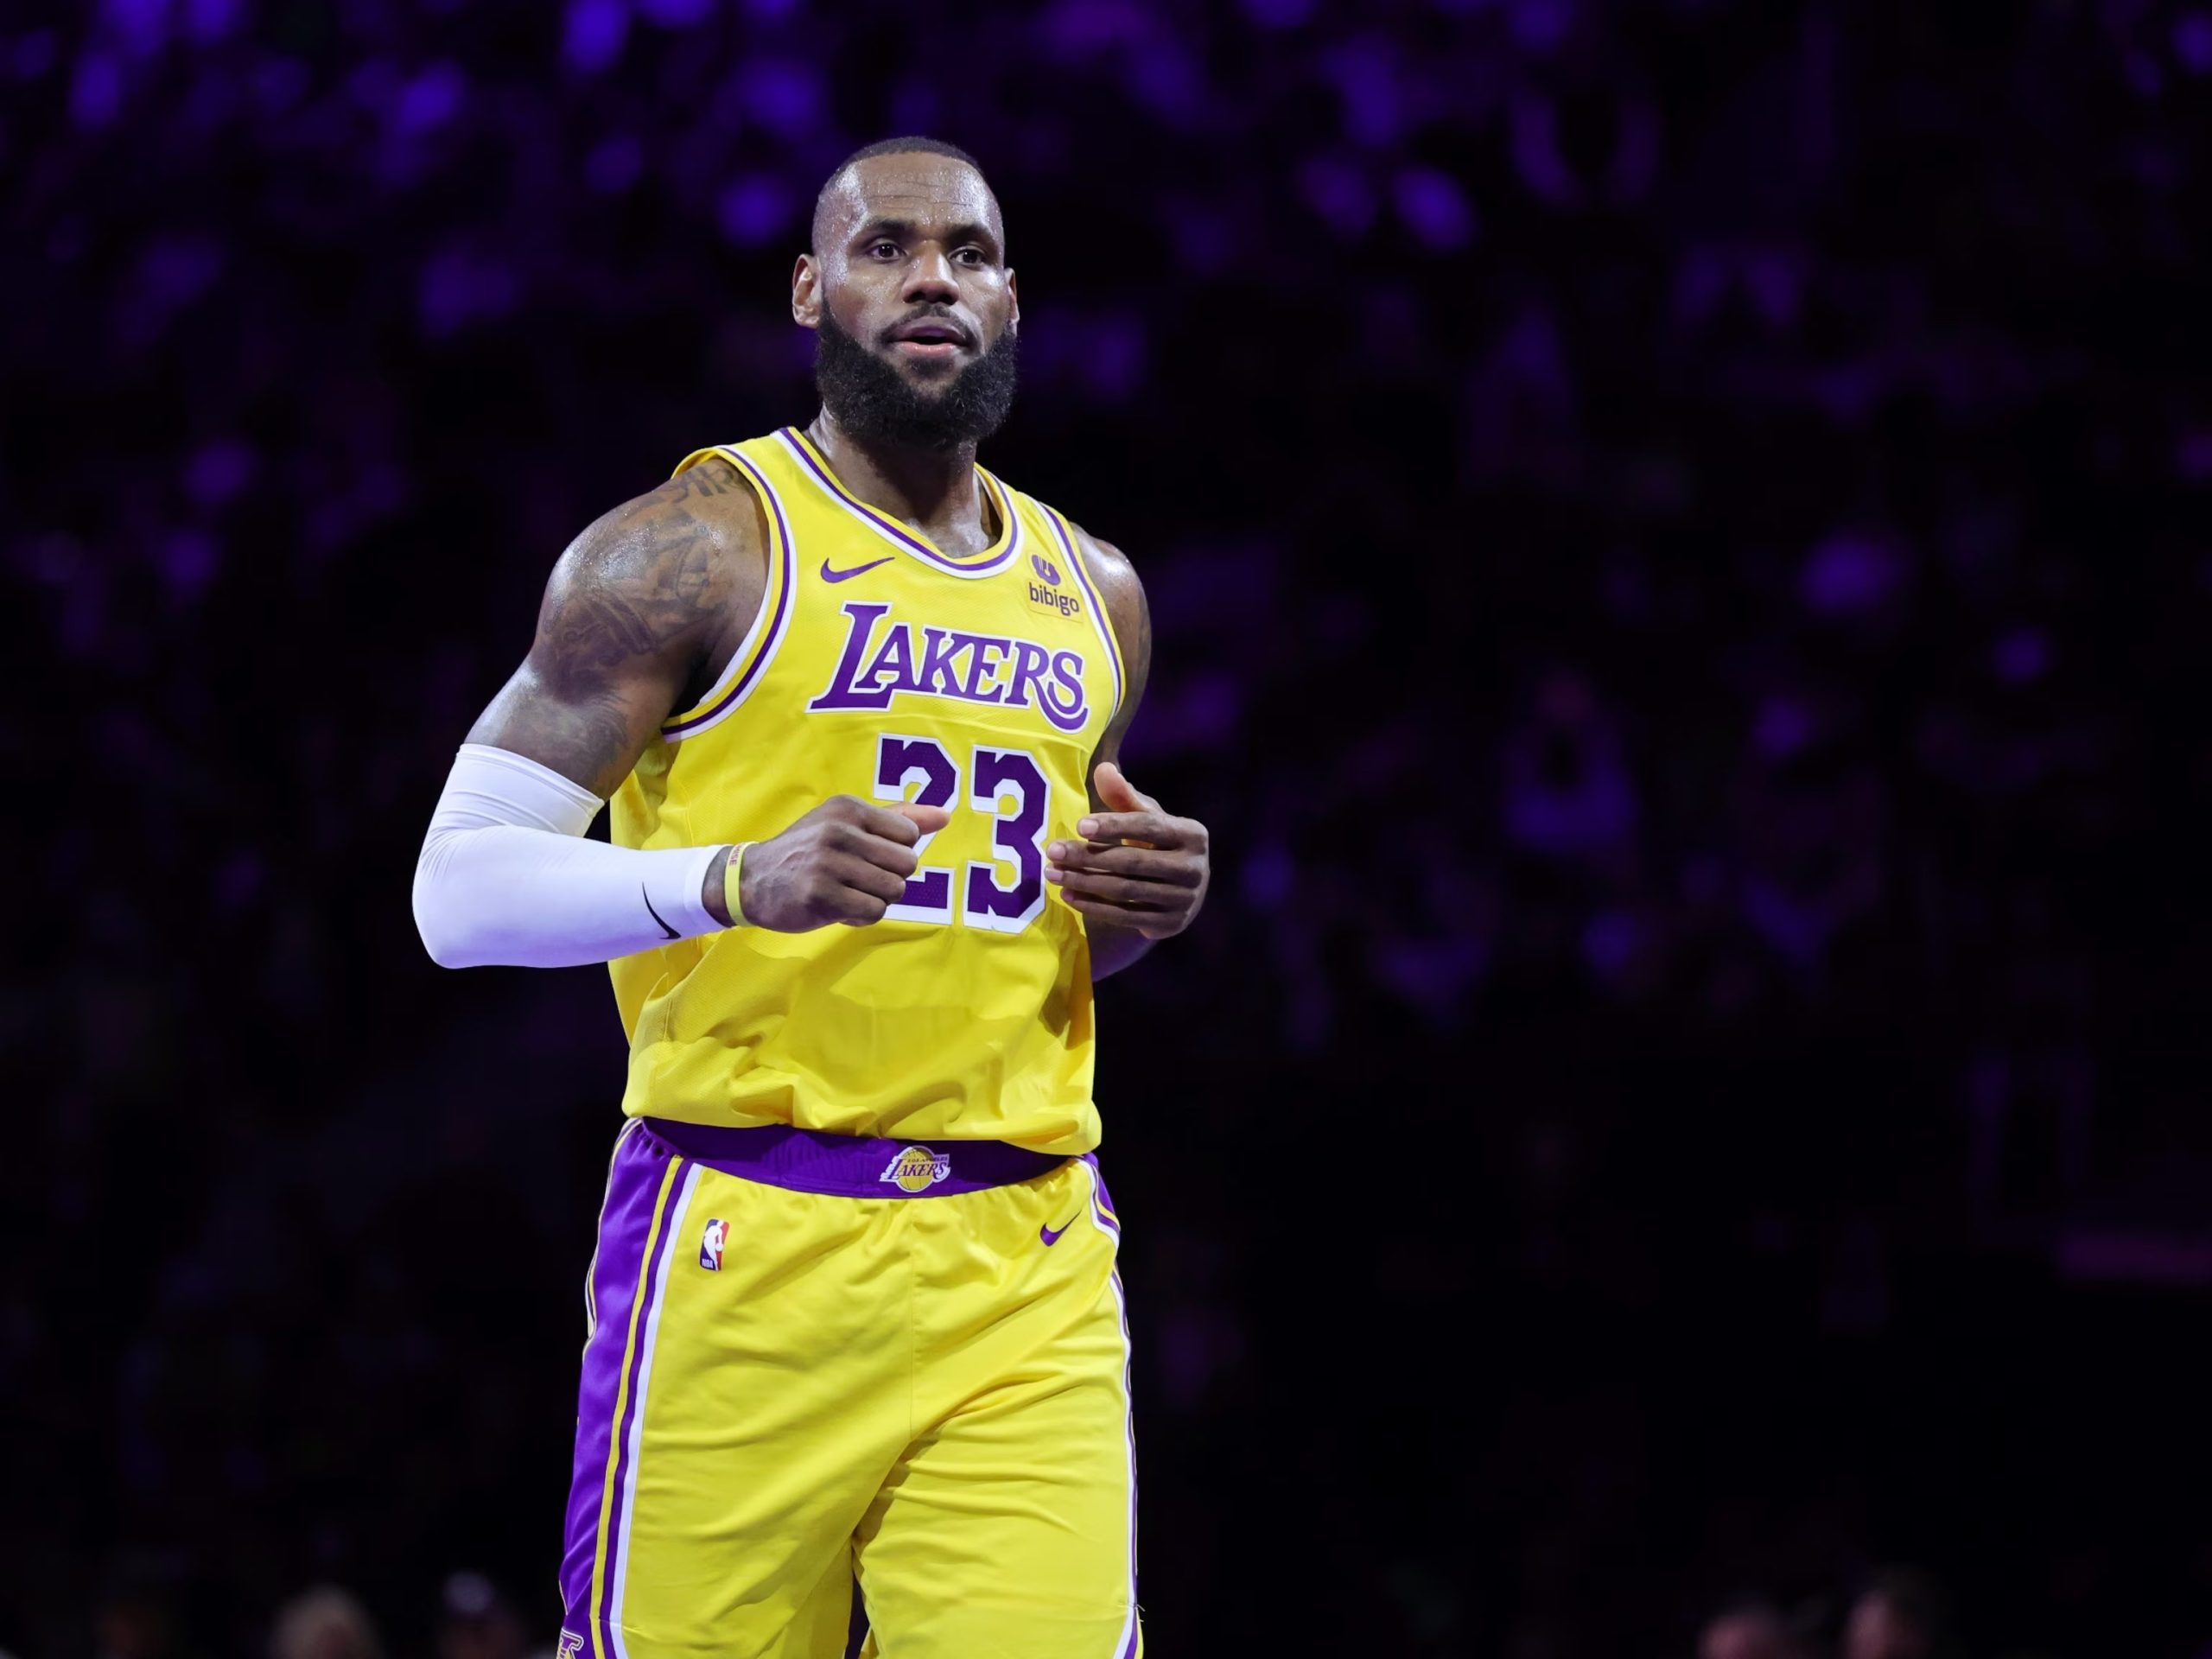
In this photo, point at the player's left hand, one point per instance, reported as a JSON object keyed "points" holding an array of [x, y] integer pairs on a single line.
{"points": [[1136, 867]]}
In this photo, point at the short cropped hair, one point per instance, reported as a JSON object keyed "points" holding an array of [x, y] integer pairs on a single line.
{"points": [[915, 144]]}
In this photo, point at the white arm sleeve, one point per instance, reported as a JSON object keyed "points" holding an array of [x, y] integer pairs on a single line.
{"points": [[507, 875]]}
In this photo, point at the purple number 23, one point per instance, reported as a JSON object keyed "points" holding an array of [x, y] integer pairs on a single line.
{"points": [[1011, 787]]}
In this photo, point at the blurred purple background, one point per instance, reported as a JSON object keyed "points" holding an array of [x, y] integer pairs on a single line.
{"points": [[1679, 538]]}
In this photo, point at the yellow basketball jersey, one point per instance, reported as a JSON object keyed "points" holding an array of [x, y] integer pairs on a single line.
{"points": [[881, 667]]}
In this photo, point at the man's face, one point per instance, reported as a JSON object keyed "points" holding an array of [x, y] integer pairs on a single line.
{"points": [[908, 284]]}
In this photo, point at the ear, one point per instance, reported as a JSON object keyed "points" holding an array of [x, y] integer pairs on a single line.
{"points": [[1012, 293], [806, 292]]}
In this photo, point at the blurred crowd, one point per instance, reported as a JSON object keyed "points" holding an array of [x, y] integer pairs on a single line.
{"points": [[1676, 533], [137, 1617], [1895, 1614]]}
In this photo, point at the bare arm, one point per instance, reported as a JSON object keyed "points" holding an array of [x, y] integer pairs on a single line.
{"points": [[1140, 873], [630, 612], [633, 619], [631, 616]]}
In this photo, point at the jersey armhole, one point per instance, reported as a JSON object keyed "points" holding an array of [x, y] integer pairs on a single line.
{"points": [[1070, 545], [748, 665]]}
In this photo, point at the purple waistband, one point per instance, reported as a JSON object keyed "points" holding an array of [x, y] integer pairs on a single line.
{"points": [[849, 1167]]}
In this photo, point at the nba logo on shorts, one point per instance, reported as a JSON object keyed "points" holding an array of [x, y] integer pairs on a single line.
{"points": [[916, 1169], [711, 1245]]}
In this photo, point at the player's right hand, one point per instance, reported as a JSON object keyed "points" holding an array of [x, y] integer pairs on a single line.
{"points": [[844, 861]]}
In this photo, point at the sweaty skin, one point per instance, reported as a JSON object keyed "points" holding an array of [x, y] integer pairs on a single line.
{"points": [[646, 607]]}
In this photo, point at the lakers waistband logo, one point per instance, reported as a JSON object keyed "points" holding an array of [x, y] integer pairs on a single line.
{"points": [[916, 1169]]}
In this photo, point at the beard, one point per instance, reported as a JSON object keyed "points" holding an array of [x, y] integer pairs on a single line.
{"points": [[876, 404]]}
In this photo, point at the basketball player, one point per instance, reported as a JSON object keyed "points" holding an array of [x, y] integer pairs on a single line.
{"points": [[855, 704]]}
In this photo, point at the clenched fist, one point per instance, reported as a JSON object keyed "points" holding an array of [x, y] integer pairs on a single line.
{"points": [[844, 861]]}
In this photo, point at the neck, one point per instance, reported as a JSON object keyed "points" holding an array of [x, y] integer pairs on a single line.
{"points": [[934, 491]]}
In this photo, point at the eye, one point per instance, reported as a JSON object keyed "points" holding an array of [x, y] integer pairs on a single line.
{"points": [[886, 248], [970, 257]]}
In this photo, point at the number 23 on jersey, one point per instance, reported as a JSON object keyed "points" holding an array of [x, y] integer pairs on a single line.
{"points": [[1004, 892]]}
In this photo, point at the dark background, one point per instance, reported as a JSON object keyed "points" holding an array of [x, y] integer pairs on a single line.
{"points": [[1678, 533]]}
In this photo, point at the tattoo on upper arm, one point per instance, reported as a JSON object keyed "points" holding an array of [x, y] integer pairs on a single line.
{"points": [[660, 581], [706, 478], [631, 606], [586, 738]]}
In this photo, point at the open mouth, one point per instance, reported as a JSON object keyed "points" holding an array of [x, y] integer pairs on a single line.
{"points": [[930, 340]]}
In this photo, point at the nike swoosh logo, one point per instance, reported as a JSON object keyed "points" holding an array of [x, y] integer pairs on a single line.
{"points": [[1051, 1235], [828, 575], [655, 914]]}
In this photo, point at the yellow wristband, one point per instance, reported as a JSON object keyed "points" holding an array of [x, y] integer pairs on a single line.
{"points": [[733, 892]]}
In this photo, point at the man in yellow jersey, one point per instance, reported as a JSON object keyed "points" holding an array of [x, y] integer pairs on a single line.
{"points": [[855, 704]]}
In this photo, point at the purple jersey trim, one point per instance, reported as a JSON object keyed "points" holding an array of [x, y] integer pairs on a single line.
{"points": [[1104, 623], [622, 1284], [775, 634], [1136, 1643], [983, 565], [1102, 1202], [1102, 1206], [648, 1296], [848, 1167]]}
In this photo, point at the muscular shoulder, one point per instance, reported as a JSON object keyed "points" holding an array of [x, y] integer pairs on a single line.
{"points": [[1116, 580], [659, 572]]}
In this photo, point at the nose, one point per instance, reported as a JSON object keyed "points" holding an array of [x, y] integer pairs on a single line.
{"points": [[929, 280]]}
